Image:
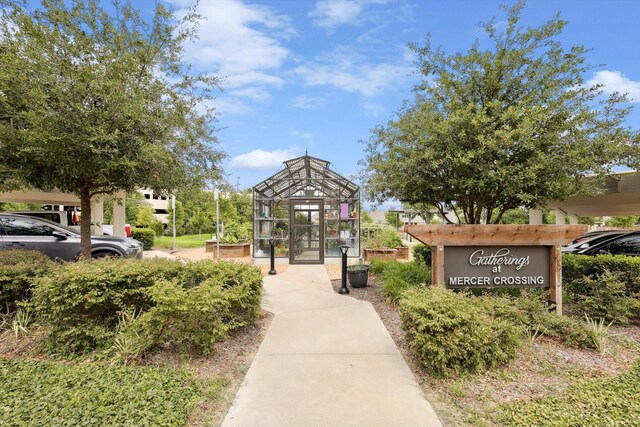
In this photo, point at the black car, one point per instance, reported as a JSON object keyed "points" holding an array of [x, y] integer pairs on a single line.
{"points": [[590, 239], [625, 244], [58, 241]]}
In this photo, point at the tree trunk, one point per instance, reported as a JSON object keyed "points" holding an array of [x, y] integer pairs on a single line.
{"points": [[85, 224]]}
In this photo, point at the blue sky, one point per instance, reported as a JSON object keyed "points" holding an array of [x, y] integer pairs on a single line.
{"points": [[317, 75]]}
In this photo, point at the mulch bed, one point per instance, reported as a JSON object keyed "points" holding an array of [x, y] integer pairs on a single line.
{"points": [[546, 367]]}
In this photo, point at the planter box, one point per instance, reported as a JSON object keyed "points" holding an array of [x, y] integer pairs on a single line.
{"points": [[228, 250], [403, 253], [386, 254]]}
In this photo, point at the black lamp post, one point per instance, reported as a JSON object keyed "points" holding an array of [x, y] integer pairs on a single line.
{"points": [[343, 288], [272, 242]]}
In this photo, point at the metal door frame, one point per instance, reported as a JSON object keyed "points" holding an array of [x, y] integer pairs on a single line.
{"points": [[292, 231]]}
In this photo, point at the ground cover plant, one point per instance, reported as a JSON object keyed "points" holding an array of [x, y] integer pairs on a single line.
{"points": [[554, 354], [608, 401], [46, 393]]}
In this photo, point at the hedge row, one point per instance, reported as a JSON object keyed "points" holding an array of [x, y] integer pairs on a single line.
{"points": [[84, 304], [603, 286], [576, 267], [146, 236]]}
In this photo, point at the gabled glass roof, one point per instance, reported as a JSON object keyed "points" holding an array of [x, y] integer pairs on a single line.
{"points": [[306, 176]]}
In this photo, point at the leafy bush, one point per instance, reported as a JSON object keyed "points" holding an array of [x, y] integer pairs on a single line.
{"points": [[196, 318], [604, 297], [396, 277], [530, 312], [609, 401], [18, 269], [576, 267], [379, 265], [385, 238], [80, 303], [422, 253], [146, 236], [451, 334], [36, 393], [235, 232]]}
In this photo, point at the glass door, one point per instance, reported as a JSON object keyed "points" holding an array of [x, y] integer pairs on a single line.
{"points": [[306, 237]]}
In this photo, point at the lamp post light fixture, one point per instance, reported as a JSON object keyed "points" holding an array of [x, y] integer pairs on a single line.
{"points": [[343, 250], [272, 242]]}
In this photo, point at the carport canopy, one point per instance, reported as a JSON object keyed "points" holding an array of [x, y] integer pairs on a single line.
{"points": [[55, 197], [619, 195]]}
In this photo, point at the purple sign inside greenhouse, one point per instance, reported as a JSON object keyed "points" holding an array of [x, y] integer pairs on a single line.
{"points": [[344, 211]]}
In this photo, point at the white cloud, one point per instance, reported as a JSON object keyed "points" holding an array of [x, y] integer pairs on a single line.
{"points": [[615, 81], [308, 102], [255, 93], [241, 42], [304, 135], [353, 72], [331, 13], [260, 159], [372, 108], [230, 105]]}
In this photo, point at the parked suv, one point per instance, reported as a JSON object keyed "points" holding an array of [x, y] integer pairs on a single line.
{"points": [[59, 242]]}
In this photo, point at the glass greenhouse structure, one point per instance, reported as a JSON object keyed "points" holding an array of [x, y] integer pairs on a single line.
{"points": [[309, 210]]}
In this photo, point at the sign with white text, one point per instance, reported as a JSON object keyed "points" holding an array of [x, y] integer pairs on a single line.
{"points": [[496, 266]]}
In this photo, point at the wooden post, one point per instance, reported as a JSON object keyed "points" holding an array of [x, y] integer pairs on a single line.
{"points": [[437, 265], [555, 277]]}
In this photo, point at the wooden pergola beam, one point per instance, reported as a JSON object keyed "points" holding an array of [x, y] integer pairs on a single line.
{"points": [[507, 234]]}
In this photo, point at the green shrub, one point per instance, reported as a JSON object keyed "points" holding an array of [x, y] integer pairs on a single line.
{"points": [[37, 393], [613, 401], [146, 236], [396, 277], [451, 334], [235, 232], [384, 238], [80, 303], [196, 318], [422, 253], [604, 297], [378, 265], [18, 269], [530, 312], [576, 267]]}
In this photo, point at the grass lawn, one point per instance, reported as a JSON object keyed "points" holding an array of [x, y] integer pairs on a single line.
{"points": [[55, 394], [182, 242]]}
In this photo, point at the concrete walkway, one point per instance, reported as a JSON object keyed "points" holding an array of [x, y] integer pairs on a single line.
{"points": [[327, 360]]}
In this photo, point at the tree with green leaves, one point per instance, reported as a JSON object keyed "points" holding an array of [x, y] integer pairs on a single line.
{"points": [[93, 101], [622, 221], [510, 123]]}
